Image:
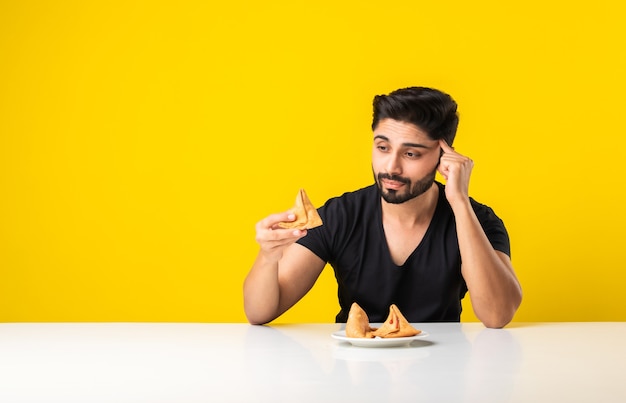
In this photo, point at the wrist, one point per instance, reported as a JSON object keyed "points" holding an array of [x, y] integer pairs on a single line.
{"points": [[460, 206], [269, 257]]}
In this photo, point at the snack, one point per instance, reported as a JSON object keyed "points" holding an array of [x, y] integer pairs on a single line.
{"points": [[358, 324], [396, 325], [306, 214]]}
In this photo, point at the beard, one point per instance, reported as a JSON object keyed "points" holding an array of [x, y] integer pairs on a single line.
{"points": [[412, 190]]}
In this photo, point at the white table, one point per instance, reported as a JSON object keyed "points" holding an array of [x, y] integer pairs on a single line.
{"points": [[161, 362]]}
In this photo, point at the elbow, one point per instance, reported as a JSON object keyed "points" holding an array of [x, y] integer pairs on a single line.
{"points": [[256, 320], [256, 316], [258, 311], [496, 323], [497, 320], [499, 317]]}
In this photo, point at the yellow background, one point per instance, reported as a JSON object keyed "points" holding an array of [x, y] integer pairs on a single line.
{"points": [[140, 141]]}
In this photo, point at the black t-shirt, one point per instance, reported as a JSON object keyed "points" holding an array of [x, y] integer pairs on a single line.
{"points": [[428, 287]]}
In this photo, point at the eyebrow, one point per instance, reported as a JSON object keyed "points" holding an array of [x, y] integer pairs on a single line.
{"points": [[416, 145]]}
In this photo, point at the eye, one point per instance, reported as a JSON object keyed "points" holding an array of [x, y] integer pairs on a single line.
{"points": [[413, 154], [382, 147]]}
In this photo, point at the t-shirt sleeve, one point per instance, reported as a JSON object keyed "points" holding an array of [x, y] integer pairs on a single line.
{"points": [[317, 239], [494, 227]]}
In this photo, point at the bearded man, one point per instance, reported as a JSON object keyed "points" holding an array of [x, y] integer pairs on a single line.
{"points": [[407, 239]]}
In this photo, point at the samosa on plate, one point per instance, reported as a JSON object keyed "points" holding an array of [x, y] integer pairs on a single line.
{"points": [[358, 324], [396, 325]]}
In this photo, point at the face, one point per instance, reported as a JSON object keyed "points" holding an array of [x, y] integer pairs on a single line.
{"points": [[404, 160]]}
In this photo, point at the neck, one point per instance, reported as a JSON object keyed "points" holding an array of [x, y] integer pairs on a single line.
{"points": [[413, 212]]}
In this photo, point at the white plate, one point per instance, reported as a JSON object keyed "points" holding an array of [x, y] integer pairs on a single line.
{"points": [[377, 341]]}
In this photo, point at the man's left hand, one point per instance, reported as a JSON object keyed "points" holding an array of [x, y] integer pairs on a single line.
{"points": [[456, 170]]}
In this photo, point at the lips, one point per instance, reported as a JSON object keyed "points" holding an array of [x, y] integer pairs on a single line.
{"points": [[391, 184]]}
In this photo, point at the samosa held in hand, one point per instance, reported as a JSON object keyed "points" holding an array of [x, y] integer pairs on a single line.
{"points": [[306, 214]]}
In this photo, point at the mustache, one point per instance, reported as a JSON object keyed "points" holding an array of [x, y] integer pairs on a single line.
{"points": [[396, 178]]}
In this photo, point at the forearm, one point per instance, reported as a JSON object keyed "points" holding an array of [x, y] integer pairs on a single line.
{"points": [[493, 287], [261, 291]]}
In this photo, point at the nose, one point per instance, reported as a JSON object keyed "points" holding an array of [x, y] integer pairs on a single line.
{"points": [[394, 167]]}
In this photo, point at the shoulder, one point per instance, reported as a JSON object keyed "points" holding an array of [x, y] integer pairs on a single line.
{"points": [[482, 211], [493, 226]]}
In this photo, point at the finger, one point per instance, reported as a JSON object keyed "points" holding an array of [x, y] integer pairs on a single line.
{"points": [[271, 221], [444, 173], [445, 147], [443, 168], [269, 230], [274, 230], [279, 237]]}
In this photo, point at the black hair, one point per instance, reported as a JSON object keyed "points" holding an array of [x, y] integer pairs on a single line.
{"points": [[431, 110]]}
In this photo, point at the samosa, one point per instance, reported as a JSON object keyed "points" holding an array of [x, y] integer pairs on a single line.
{"points": [[306, 214], [358, 324], [396, 325]]}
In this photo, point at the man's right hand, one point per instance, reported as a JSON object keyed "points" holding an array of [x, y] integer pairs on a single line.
{"points": [[282, 273], [273, 239]]}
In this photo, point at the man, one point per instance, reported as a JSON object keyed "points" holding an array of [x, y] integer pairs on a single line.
{"points": [[407, 240]]}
